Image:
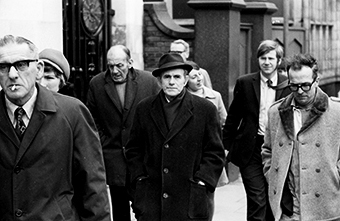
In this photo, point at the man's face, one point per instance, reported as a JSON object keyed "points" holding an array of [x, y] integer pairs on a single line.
{"points": [[268, 63], [179, 49], [119, 64], [195, 82], [19, 85], [173, 82], [303, 77]]}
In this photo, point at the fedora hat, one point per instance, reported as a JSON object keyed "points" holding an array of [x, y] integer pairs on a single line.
{"points": [[171, 61], [57, 60]]}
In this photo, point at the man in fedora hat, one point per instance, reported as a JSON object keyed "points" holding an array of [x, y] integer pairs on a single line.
{"points": [[175, 153]]}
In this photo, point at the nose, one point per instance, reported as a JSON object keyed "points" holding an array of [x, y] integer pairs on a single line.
{"points": [[13, 73], [171, 80]]}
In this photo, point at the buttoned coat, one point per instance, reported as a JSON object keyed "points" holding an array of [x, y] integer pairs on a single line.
{"points": [[241, 127], [173, 160], [57, 171], [318, 144], [114, 121]]}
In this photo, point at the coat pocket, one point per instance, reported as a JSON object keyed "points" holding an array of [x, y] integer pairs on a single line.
{"points": [[140, 196], [198, 202]]}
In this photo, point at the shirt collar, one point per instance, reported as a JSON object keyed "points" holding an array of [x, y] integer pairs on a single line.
{"points": [[28, 106], [273, 79]]}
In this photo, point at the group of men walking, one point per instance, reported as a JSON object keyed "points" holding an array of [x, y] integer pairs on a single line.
{"points": [[160, 147]]}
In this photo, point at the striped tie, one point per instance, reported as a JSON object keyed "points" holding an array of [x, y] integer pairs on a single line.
{"points": [[20, 127]]}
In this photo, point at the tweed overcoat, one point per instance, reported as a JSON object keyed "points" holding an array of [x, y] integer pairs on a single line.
{"points": [[57, 171], [114, 121], [241, 126], [318, 144], [173, 160]]}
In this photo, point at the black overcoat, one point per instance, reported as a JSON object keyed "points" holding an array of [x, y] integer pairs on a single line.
{"points": [[173, 160]]}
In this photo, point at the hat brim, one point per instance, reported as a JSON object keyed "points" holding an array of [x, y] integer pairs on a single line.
{"points": [[169, 66]]}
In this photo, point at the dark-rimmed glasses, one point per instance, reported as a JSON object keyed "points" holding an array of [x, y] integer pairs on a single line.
{"points": [[304, 86], [18, 65], [176, 52]]}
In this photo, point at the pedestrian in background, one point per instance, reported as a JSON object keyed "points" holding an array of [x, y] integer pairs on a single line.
{"points": [[301, 148], [245, 125], [51, 162], [182, 47], [112, 99], [175, 152], [56, 69]]}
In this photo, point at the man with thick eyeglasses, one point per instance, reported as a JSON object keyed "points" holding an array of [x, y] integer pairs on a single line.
{"points": [[51, 162], [301, 148], [112, 99]]}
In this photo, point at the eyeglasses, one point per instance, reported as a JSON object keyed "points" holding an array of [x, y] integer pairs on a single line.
{"points": [[304, 86], [176, 52], [18, 65]]}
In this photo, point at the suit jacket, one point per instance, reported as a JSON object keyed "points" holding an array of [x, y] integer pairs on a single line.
{"points": [[114, 121], [241, 126], [319, 147], [173, 160], [57, 171]]}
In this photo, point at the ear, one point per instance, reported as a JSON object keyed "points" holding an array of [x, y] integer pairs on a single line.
{"points": [[40, 69], [130, 63], [279, 61]]}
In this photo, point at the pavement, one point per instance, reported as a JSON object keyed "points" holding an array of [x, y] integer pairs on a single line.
{"points": [[230, 202]]}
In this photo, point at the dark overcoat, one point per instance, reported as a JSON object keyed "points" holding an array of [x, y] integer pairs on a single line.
{"points": [[241, 127], [57, 171], [173, 160], [114, 121]]}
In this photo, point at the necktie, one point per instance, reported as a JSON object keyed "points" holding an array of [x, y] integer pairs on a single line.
{"points": [[270, 84], [20, 127]]}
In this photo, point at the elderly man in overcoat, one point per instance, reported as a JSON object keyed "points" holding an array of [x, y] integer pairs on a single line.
{"points": [[175, 153], [301, 150], [51, 162], [112, 99]]}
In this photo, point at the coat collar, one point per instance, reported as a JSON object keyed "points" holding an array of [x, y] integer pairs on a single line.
{"points": [[184, 114], [319, 106], [44, 103], [131, 87]]}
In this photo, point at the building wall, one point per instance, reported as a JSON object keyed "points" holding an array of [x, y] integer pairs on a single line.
{"points": [[38, 20]]}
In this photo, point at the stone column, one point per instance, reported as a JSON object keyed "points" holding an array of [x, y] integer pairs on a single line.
{"points": [[217, 27]]}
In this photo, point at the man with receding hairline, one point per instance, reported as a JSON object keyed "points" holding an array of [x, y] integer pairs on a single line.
{"points": [[112, 99], [51, 161]]}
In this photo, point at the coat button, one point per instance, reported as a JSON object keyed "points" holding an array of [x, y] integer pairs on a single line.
{"points": [[166, 146], [276, 168], [18, 213], [166, 170], [165, 195], [318, 144], [274, 191], [17, 169], [317, 170], [281, 143], [317, 194]]}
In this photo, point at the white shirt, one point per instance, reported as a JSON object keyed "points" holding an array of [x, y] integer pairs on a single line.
{"points": [[267, 98], [28, 107]]}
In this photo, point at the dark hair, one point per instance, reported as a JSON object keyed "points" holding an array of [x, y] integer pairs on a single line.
{"points": [[193, 64], [57, 73], [269, 45], [297, 61]]}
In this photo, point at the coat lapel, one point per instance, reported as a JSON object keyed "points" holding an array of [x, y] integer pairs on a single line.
{"points": [[44, 102], [130, 94], [112, 92], [287, 117], [256, 85], [6, 125], [278, 93], [158, 117]]}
